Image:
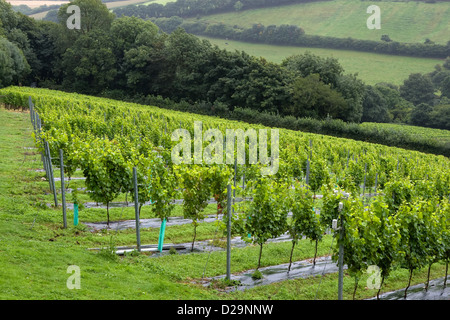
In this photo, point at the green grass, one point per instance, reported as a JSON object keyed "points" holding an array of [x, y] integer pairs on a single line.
{"points": [[372, 68], [306, 289], [402, 21], [35, 251]]}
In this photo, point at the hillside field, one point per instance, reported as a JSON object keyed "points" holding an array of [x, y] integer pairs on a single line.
{"points": [[402, 21]]}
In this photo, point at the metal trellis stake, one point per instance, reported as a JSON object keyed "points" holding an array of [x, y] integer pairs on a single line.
{"points": [[136, 209], [235, 172], [51, 177], [376, 183], [63, 189], [341, 255], [310, 148], [228, 232], [307, 171], [364, 185]]}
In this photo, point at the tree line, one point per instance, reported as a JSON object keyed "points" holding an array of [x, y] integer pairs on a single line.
{"points": [[295, 36], [130, 58], [192, 8], [29, 11]]}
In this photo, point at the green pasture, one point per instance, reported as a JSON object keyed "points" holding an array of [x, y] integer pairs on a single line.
{"points": [[410, 21]]}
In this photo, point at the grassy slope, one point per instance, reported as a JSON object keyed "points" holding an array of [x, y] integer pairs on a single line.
{"points": [[371, 68], [36, 251], [402, 21]]}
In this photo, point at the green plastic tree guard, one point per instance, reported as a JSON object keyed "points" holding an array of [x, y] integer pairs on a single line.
{"points": [[161, 235], [75, 214]]}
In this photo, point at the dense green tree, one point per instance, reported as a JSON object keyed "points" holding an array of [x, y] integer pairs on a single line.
{"points": [[198, 71], [446, 63], [398, 108], [224, 77], [36, 46], [418, 89], [330, 72], [130, 55], [438, 75], [352, 89], [44, 45], [375, 106], [328, 69], [313, 98], [94, 15], [89, 65], [144, 67], [133, 47], [13, 65], [20, 39], [131, 31], [188, 60], [420, 115], [439, 117], [445, 87], [23, 32], [263, 88], [8, 18]]}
